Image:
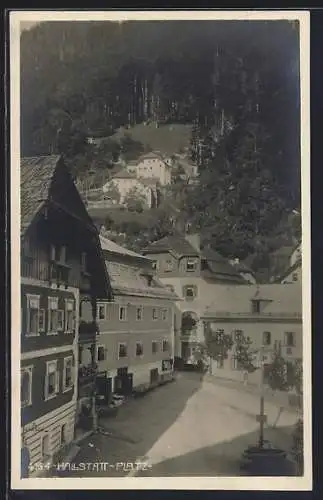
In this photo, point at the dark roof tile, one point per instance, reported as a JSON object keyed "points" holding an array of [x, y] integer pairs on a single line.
{"points": [[36, 174]]}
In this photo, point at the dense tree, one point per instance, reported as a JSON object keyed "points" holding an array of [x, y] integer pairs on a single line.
{"points": [[237, 82], [135, 201]]}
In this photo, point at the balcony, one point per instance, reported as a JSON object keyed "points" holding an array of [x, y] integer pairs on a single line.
{"points": [[50, 271], [59, 273]]}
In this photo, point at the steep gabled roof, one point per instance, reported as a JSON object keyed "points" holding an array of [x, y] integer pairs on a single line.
{"points": [[280, 299], [36, 175], [285, 251], [288, 271], [47, 179], [110, 246]]}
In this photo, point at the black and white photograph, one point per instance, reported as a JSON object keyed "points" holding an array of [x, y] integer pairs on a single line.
{"points": [[160, 239]]}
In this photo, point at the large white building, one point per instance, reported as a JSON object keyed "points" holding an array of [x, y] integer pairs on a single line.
{"points": [[152, 166], [217, 293], [126, 183]]}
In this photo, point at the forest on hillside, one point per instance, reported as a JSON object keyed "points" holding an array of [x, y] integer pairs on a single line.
{"points": [[235, 82]]}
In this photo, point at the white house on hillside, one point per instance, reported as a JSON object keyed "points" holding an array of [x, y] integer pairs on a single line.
{"points": [[127, 183], [152, 166]]}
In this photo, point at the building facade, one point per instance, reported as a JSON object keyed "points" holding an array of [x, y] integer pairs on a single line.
{"points": [[56, 232], [270, 316], [127, 183], [135, 345], [152, 166], [193, 274]]}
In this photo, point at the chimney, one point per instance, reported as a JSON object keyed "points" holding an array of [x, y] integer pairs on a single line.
{"points": [[194, 240]]}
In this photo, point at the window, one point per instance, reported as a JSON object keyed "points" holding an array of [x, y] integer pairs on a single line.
{"points": [[101, 311], [164, 314], [83, 262], [122, 313], [190, 292], [139, 349], [57, 253], [191, 265], [51, 380], [101, 355], [165, 345], [168, 265], [52, 315], [32, 315], [154, 347], [68, 374], [122, 350], [45, 446], [155, 314], [26, 386], [69, 316], [237, 335], [139, 314], [155, 264], [170, 288], [256, 306], [266, 338], [64, 434], [60, 320], [289, 339], [219, 335], [295, 277], [54, 254]]}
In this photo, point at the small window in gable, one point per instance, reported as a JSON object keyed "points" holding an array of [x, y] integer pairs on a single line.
{"points": [[190, 292], [191, 265]]}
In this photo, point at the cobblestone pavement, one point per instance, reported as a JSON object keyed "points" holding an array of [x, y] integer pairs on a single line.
{"points": [[185, 428]]}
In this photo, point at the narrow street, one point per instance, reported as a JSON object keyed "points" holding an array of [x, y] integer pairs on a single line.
{"points": [[186, 428]]}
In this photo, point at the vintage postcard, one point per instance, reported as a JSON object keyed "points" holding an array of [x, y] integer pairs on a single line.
{"points": [[160, 224]]}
